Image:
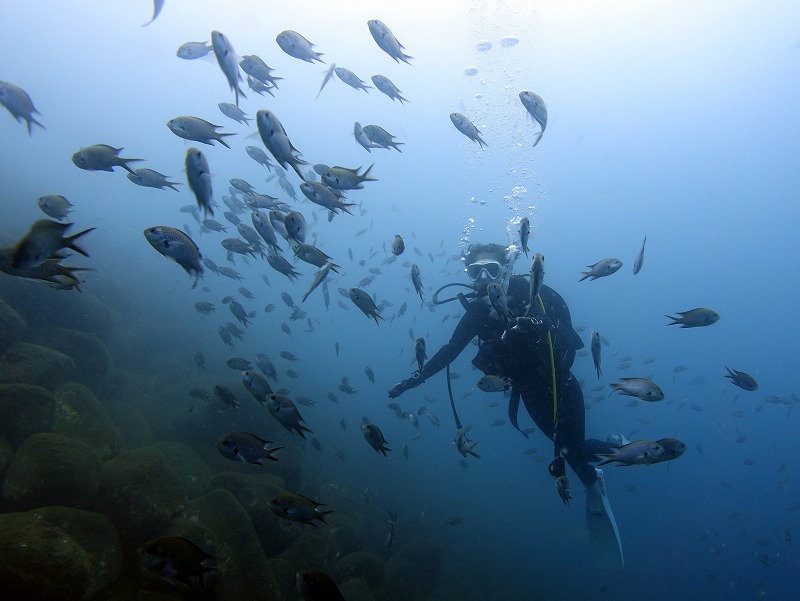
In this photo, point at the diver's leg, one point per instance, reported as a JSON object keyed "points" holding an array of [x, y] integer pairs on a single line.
{"points": [[600, 522]]}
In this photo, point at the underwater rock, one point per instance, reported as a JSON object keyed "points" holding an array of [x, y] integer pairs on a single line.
{"points": [[357, 590], [420, 557], [192, 470], [253, 492], [140, 493], [12, 326], [346, 533], [310, 550], [231, 539], [6, 453], [39, 560], [97, 537], [92, 359], [27, 363], [79, 414], [42, 306], [359, 564], [25, 410], [50, 469], [130, 423]]}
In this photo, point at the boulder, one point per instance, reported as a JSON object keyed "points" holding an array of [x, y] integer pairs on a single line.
{"points": [[359, 564], [421, 557], [33, 364], [92, 359], [39, 560], [25, 410], [97, 537], [12, 325], [356, 590], [192, 470], [6, 453], [140, 492], [79, 414], [130, 423], [50, 469]]}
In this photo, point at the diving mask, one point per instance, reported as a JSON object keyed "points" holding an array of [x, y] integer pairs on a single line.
{"points": [[491, 267]]}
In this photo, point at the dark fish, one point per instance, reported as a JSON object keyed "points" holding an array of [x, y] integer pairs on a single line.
{"points": [[741, 379], [374, 436], [178, 560], [297, 508], [314, 585], [246, 447]]}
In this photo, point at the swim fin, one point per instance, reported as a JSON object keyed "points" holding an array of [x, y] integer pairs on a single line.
{"points": [[603, 532]]}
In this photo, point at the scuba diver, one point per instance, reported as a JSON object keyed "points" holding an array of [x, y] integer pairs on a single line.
{"points": [[531, 344]]}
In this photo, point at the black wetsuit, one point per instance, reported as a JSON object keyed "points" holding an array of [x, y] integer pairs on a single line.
{"points": [[525, 359]]}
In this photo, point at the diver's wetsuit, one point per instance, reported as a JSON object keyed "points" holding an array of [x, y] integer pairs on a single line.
{"points": [[525, 359]]}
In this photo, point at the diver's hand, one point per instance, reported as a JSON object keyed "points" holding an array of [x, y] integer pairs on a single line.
{"points": [[533, 327], [399, 388]]}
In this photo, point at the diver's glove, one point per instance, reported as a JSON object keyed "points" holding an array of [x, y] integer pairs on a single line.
{"points": [[533, 328], [401, 387]]}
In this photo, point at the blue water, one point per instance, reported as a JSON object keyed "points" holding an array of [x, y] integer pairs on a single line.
{"points": [[675, 120]]}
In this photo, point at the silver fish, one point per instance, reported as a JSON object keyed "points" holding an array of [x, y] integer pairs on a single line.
{"points": [[175, 245], [386, 41], [296, 46], [398, 246], [101, 157], [466, 127], [284, 410], [295, 225], [536, 279], [385, 85], [43, 240], [328, 76], [197, 130], [194, 50], [601, 269], [640, 452], [419, 352], [318, 278], [157, 6], [323, 196], [639, 260], [640, 388], [524, 234], [55, 206], [228, 62], [19, 104], [377, 135], [283, 266], [537, 109], [259, 156], [363, 139], [256, 385], [246, 447], [497, 298], [491, 383], [151, 179], [233, 112], [199, 177], [262, 224], [364, 301], [374, 436], [464, 445], [342, 178], [416, 279], [256, 68], [351, 79], [596, 345], [274, 137]]}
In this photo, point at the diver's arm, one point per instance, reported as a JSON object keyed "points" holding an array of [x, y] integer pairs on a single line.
{"points": [[465, 331]]}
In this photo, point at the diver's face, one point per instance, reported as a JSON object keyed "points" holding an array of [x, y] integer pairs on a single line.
{"points": [[483, 271]]}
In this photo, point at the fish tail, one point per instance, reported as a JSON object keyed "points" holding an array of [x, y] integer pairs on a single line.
{"points": [[31, 121], [70, 242], [221, 139]]}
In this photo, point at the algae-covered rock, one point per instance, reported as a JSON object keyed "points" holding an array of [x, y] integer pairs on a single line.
{"points": [[12, 325], [254, 493], [33, 364], [346, 534], [25, 410], [230, 537], [80, 414], [133, 428], [97, 537], [50, 469], [82, 311], [360, 564], [6, 453], [41, 561], [193, 471], [140, 492], [92, 359], [356, 590], [412, 572], [310, 550]]}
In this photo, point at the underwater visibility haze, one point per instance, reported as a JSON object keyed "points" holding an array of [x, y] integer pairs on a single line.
{"points": [[222, 231]]}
